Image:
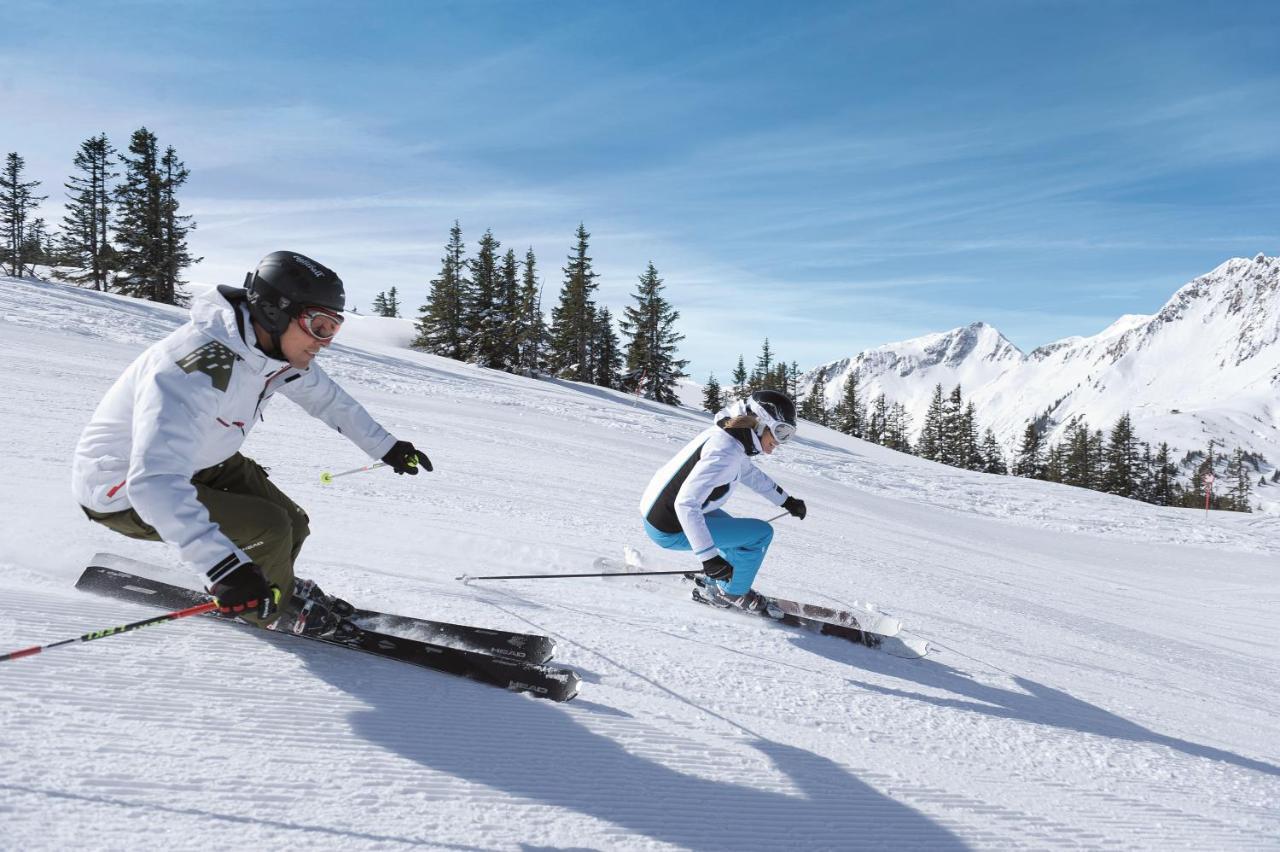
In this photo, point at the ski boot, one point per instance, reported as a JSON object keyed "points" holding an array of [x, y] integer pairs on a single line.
{"points": [[311, 612], [709, 592]]}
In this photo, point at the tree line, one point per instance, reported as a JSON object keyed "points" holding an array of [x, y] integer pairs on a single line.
{"points": [[122, 230], [487, 309]]}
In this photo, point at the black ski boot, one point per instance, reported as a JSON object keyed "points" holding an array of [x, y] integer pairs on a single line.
{"points": [[313, 613]]}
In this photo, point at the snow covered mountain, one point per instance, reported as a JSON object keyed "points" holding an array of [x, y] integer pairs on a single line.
{"points": [[1105, 677], [1207, 365]]}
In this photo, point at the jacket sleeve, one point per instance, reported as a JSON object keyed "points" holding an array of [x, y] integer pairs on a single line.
{"points": [[760, 482], [171, 415], [321, 397], [716, 467]]}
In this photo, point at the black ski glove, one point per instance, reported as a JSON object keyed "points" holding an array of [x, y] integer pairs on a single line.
{"points": [[246, 591], [795, 507], [717, 568], [403, 458]]}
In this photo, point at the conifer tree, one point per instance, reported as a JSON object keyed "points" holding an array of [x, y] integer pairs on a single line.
{"points": [[1162, 481], [140, 225], [741, 382], [85, 245], [606, 352], [1055, 464], [992, 456], [850, 414], [393, 302], [574, 321], [1123, 469], [792, 380], [440, 320], [712, 399], [897, 429], [531, 328], [878, 420], [174, 228], [17, 201], [651, 340], [380, 305], [763, 377], [932, 435], [1029, 462], [1239, 483], [814, 407], [482, 319], [950, 439], [508, 308]]}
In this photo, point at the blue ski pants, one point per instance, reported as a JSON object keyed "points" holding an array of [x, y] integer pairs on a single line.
{"points": [[741, 541]]}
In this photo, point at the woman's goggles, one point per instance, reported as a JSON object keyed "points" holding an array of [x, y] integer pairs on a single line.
{"points": [[320, 323], [782, 431]]}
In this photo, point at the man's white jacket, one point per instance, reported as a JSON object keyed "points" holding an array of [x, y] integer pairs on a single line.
{"points": [[188, 403], [700, 479]]}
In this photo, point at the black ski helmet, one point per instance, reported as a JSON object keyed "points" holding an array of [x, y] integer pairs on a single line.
{"points": [[284, 283], [772, 407]]}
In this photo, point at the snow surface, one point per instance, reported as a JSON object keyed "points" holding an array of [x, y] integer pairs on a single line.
{"points": [[1106, 675]]}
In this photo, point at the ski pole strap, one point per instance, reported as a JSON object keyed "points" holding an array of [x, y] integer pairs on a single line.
{"points": [[112, 631], [467, 578]]}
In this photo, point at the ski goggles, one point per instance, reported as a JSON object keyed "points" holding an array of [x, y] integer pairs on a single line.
{"points": [[320, 323], [782, 431]]}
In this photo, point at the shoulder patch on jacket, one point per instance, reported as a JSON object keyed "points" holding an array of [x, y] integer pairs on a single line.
{"points": [[214, 360]]}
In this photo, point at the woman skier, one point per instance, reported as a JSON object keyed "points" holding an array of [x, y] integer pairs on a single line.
{"points": [[681, 506]]}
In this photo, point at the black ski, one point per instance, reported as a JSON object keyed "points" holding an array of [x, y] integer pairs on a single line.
{"points": [[541, 681], [523, 647]]}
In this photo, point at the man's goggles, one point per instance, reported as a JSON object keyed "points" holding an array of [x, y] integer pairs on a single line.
{"points": [[320, 323]]}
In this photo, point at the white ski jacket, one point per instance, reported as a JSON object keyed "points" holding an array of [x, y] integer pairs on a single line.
{"points": [[700, 479], [188, 403]]}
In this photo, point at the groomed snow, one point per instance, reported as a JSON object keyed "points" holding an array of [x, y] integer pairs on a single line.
{"points": [[1105, 677]]}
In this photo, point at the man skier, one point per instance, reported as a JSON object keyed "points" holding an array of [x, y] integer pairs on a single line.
{"points": [[681, 506], [160, 459]]}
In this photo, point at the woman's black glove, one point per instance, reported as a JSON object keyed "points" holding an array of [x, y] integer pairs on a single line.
{"points": [[717, 568], [246, 590], [403, 457], [795, 507]]}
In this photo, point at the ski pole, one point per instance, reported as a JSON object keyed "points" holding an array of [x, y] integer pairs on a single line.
{"points": [[467, 578], [327, 477], [112, 631]]}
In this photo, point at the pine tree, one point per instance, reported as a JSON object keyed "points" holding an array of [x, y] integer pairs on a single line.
{"points": [[897, 429], [932, 437], [440, 320], [651, 340], [380, 305], [1030, 459], [1239, 483], [606, 352], [574, 321], [393, 303], [951, 439], [482, 320], [741, 386], [1055, 464], [85, 244], [850, 414], [792, 380], [531, 328], [508, 311], [814, 407], [992, 456], [763, 377], [16, 205], [1122, 474], [1097, 460], [712, 397], [140, 226], [878, 420], [174, 228]]}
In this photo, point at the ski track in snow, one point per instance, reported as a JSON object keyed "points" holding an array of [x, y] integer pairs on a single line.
{"points": [[1106, 676]]}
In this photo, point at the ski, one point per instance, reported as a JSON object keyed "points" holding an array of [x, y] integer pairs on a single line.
{"points": [[898, 645], [523, 647], [541, 681]]}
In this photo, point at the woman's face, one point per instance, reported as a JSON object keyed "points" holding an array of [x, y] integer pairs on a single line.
{"points": [[767, 442]]}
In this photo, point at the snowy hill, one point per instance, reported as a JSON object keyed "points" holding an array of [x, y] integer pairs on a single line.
{"points": [[1106, 670], [1207, 365]]}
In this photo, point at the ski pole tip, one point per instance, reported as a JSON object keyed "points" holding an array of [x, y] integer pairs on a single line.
{"points": [[326, 478], [464, 579]]}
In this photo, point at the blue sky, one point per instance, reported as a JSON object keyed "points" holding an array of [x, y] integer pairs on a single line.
{"points": [[833, 176]]}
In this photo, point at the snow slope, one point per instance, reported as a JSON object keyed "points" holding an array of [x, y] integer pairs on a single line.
{"points": [[1204, 366], [1106, 676]]}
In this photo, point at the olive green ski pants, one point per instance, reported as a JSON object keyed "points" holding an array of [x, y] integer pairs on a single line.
{"points": [[261, 520]]}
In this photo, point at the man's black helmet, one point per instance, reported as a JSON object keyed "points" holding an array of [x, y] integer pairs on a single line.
{"points": [[284, 283]]}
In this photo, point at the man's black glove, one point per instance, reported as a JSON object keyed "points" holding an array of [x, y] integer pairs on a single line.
{"points": [[795, 507], [246, 591], [403, 457], [717, 568]]}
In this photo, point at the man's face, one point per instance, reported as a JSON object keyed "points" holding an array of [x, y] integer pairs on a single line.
{"points": [[300, 347]]}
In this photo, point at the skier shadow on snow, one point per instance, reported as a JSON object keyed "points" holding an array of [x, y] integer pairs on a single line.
{"points": [[539, 751], [1037, 703]]}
